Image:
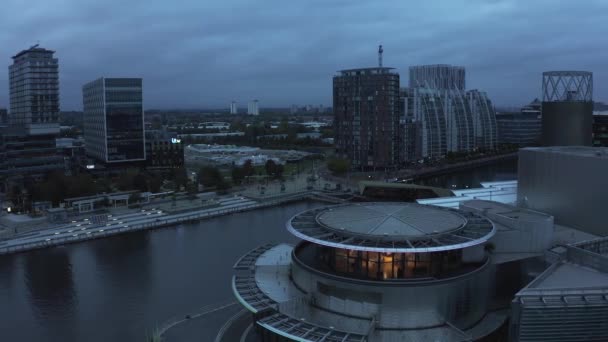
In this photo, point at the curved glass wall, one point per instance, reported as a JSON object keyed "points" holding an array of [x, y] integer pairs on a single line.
{"points": [[384, 266]]}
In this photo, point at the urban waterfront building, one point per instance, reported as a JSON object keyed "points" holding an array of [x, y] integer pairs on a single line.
{"points": [[484, 120], [34, 91], [424, 123], [394, 272], [114, 120], [567, 108], [521, 128], [253, 108], [600, 131], [439, 116], [567, 182], [29, 151], [438, 76], [25, 157], [233, 108], [164, 150], [373, 272], [568, 301], [366, 117]]}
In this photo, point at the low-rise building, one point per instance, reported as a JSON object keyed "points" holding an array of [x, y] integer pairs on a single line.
{"points": [[28, 156], [567, 182], [568, 301], [521, 128], [600, 130], [164, 149]]}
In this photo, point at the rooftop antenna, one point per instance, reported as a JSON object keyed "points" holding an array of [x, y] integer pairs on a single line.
{"points": [[380, 51]]}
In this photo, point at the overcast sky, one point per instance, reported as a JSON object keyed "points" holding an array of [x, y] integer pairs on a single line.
{"points": [[204, 53]]}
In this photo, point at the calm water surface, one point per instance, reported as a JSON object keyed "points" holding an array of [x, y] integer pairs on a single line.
{"points": [[118, 289]]}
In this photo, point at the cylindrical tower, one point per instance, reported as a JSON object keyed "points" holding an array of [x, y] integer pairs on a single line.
{"points": [[567, 108]]}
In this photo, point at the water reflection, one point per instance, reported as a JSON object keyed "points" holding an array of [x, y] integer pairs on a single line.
{"points": [[124, 260], [49, 281], [471, 178], [7, 269]]}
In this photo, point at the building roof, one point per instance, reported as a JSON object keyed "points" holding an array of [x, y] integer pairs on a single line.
{"points": [[34, 48], [508, 211], [579, 278], [503, 191], [566, 73], [391, 227], [579, 151], [367, 69], [393, 220], [440, 192]]}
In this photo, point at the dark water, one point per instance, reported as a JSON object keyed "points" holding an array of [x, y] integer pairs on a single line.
{"points": [[504, 170], [119, 289]]}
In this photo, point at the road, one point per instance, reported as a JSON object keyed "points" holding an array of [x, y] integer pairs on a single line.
{"points": [[105, 225]]}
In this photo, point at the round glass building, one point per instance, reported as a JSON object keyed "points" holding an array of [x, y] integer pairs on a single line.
{"points": [[372, 272]]}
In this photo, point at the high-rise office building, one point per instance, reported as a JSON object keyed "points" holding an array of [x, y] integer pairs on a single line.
{"points": [[253, 108], [567, 108], [366, 116], [438, 76], [114, 120], [29, 148], [233, 108], [34, 91]]}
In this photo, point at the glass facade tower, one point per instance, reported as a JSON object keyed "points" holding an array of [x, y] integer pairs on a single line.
{"points": [[114, 120]]}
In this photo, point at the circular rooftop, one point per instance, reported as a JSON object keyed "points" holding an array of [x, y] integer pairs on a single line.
{"points": [[391, 227], [390, 221]]}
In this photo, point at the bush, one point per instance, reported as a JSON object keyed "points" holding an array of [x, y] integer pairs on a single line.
{"points": [[338, 166]]}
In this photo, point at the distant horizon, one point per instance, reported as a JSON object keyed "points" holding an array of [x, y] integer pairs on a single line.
{"points": [[205, 54]]}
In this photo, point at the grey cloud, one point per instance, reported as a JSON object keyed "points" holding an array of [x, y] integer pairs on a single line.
{"points": [[194, 53]]}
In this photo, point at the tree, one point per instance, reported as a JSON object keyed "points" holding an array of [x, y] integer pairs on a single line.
{"points": [[222, 186], [191, 190], [238, 174], [180, 178], [140, 182], [155, 183], [209, 176], [248, 169], [338, 166], [125, 180], [81, 185], [135, 198], [270, 167], [278, 171]]}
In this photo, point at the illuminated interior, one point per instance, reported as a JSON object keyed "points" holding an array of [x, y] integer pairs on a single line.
{"points": [[381, 266]]}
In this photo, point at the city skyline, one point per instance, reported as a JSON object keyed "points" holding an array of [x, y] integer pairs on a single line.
{"points": [[203, 55]]}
